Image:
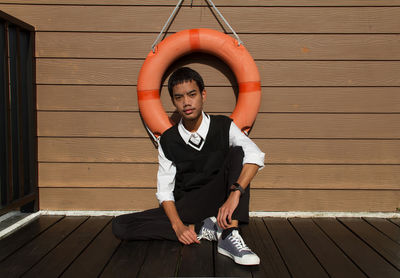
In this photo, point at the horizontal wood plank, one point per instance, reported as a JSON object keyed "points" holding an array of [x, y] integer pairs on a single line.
{"points": [[129, 124], [96, 199], [261, 46], [222, 99], [97, 175], [246, 19], [273, 176], [273, 73], [257, 3], [326, 126], [261, 200], [137, 150]]}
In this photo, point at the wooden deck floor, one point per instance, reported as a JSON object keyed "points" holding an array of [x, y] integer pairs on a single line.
{"points": [[57, 246]]}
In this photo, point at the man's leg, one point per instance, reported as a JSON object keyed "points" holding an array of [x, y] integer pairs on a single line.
{"points": [[193, 208], [149, 224]]}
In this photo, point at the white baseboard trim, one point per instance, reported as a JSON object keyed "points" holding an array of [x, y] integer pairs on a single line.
{"points": [[315, 214], [86, 212]]}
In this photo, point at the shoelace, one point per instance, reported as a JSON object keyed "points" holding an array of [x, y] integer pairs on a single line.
{"points": [[207, 233], [238, 241]]}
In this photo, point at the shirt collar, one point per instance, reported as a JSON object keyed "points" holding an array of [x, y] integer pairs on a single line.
{"points": [[202, 130]]}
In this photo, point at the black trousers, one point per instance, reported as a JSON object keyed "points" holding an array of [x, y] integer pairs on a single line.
{"points": [[192, 208]]}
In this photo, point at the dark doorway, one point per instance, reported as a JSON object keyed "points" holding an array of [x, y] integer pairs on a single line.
{"points": [[18, 143]]}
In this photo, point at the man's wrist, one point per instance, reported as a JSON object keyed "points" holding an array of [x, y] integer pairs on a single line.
{"points": [[176, 225], [235, 187], [236, 194]]}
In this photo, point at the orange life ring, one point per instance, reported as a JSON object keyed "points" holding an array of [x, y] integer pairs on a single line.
{"points": [[198, 40]]}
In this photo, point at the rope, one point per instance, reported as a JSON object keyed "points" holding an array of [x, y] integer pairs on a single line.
{"points": [[166, 25], [153, 46], [172, 15], [226, 22]]}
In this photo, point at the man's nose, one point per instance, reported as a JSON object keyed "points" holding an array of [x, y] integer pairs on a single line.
{"points": [[186, 100]]}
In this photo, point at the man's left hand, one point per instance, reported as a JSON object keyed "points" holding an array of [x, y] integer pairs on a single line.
{"points": [[224, 217]]}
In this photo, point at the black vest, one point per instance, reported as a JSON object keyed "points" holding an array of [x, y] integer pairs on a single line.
{"points": [[196, 168]]}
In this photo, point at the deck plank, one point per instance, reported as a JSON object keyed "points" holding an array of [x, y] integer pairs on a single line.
{"points": [[127, 260], [55, 262], [226, 267], [260, 241], [162, 259], [366, 258], [197, 260], [377, 240], [396, 221], [16, 240], [388, 228], [292, 247], [26, 257], [93, 259], [334, 261], [85, 247]]}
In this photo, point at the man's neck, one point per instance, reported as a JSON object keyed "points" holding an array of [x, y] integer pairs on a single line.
{"points": [[193, 125]]}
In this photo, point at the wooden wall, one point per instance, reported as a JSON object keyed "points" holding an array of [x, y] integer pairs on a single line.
{"points": [[329, 121]]}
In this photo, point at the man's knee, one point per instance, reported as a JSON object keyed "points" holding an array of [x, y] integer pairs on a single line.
{"points": [[118, 229]]}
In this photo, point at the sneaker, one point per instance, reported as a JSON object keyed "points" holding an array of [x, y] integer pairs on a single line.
{"points": [[234, 247], [209, 230]]}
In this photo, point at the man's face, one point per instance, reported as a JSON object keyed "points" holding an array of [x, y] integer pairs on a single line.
{"points": [[188, 100]]}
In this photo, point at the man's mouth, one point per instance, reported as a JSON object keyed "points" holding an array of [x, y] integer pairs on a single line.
{"points": [[188, 111]]}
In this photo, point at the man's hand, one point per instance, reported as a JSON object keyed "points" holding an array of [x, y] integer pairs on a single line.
{"points": [[185, 234], [226, 210]]}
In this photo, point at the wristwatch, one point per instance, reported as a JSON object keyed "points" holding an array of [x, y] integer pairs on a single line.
{"points": [[237, 186]]}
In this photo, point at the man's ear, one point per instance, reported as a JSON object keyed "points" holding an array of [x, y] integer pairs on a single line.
{"points": [[204, 94]]}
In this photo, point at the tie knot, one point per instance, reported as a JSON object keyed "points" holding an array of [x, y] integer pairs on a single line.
{"points": [[195, 138], [196, 141]]}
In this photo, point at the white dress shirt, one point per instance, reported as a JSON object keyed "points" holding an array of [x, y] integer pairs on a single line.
{"points": [[167, 170]]}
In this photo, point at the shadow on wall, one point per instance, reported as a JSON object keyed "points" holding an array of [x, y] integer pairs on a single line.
{"points": [[204, 59], [193, 60]]}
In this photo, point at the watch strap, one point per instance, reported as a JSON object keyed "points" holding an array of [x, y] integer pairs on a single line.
{"points": [[238, 187]]}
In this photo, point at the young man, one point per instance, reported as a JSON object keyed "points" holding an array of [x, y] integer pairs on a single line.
{"points": [[205, 167]]}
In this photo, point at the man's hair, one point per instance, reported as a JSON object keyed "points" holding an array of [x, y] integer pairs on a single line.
{"points": [[183, 75]]}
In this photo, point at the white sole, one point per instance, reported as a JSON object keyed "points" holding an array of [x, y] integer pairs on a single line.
{"points": [[239, 260]]}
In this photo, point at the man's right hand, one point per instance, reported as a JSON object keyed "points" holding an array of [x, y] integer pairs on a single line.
{"points": [[185, 234]]}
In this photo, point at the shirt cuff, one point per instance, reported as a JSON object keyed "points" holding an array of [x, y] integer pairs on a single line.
{"points": [[255, 158], [165, 196]]}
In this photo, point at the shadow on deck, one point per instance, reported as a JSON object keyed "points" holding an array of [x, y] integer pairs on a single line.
{"points": [[57, 246]]}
